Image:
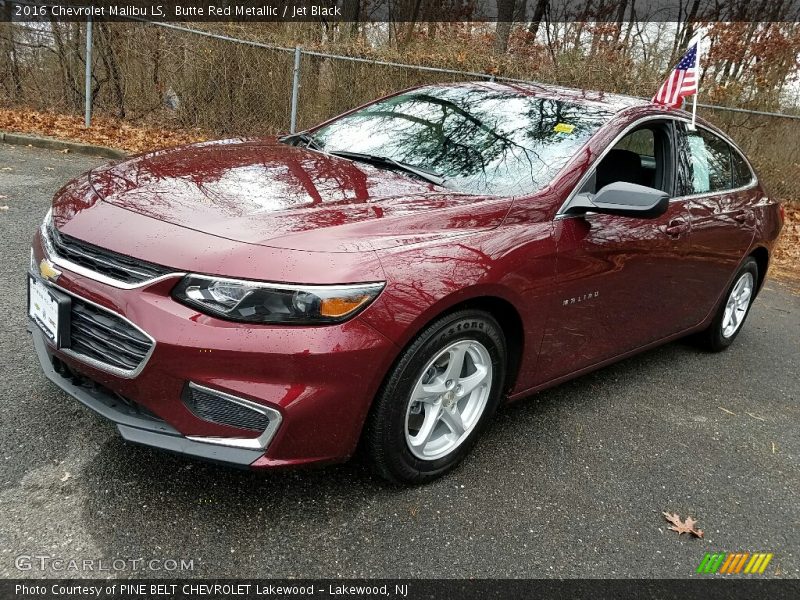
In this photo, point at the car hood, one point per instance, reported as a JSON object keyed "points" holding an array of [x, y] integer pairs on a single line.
{"points": [[271, 194]]}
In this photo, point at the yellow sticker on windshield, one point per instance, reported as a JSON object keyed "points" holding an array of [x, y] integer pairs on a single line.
{"points": [[564, 128]]}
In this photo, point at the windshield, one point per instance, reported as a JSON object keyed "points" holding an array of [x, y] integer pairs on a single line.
{"points": [[481, 140]]}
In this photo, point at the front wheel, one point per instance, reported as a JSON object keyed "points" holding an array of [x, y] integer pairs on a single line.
{"points": [[733, 311], [438, 397]]}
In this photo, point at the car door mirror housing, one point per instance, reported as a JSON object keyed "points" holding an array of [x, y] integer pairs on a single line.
{"points": [[622, 199]]}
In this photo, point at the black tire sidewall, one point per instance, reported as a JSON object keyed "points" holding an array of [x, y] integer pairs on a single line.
{"points": [[393, 401]]}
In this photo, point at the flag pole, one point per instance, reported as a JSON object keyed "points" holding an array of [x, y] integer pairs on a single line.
{"points": [[699, 42]]}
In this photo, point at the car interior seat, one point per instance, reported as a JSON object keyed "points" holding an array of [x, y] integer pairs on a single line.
{"points": [[620, 165]]}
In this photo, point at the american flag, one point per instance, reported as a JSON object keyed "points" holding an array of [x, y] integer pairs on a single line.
{"points": [[681, 82]]}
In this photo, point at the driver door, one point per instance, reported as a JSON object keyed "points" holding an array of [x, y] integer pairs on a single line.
{"points": [[619, 279]]}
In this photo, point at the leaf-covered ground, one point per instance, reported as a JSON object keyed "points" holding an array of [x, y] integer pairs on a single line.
{"points": [[105, 131], [786, 262], [115, 133]]}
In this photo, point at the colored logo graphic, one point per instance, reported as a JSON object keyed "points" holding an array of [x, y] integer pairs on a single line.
{"points": [[734, 563], [48, 271]]}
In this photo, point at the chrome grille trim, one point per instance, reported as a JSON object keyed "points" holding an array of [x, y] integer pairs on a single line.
{"points": [[65, 263], [219, 409], [99, 365], [79, 247], [258, 443]]}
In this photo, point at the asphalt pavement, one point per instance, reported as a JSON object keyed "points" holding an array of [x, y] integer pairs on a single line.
{"points": [[570, 483]]}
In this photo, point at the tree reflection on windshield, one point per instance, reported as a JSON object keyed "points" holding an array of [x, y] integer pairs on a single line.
{"points": [[491, 140]]}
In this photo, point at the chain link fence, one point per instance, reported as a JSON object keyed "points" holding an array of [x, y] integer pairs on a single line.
{"points": [[176, 77], [771, 142]]}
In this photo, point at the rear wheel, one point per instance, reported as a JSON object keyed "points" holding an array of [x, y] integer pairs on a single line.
{"points": [[733, 311], [437, 398]]}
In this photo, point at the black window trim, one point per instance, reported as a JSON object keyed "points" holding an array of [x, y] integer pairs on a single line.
{"points": [[731, 145], [562, 213]]}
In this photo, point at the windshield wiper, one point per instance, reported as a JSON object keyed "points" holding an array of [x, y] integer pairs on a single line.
{"points": [[302, 137], [392, 163]]}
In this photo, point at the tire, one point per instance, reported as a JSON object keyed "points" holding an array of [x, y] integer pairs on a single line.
{"points": [[722, 331], [399, 425]]}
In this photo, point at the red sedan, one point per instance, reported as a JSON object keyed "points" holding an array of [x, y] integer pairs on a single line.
{"points": [[389, 277]]}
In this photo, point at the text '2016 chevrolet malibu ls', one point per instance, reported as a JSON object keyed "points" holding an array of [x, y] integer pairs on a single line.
{"points": [[388, 277]]}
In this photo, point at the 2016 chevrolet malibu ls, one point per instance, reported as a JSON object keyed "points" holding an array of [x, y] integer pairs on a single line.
{"points": [[390, 276]]}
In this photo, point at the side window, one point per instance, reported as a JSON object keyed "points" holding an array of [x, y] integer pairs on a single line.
{"points": [[710, 163], [643, 157], [742, 175], [639, 141]]}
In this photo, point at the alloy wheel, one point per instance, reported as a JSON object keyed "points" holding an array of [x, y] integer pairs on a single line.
{"points": [[737, 304], [448, 399]]}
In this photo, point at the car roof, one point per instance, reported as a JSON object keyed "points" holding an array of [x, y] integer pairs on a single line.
{"points": [[612, 102]]}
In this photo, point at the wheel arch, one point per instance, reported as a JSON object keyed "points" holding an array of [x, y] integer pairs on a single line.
{"points": [[761, 256], [510, 321], [497, 306]]}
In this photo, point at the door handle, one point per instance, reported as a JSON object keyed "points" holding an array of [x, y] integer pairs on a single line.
{"points": [[676, 227], [743, 217]]}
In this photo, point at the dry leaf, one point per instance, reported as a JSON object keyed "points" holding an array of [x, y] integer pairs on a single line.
{"points": [[686, 526], [105, 131]]}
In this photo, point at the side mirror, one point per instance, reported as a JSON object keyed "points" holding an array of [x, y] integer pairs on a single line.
{"points": [[623, 199]]}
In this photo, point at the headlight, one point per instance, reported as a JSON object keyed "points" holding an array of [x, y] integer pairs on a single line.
{"points": [[255, 302]]}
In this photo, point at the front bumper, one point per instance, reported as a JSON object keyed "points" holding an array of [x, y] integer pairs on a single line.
{"points": [[134, 425], [321, 380]]}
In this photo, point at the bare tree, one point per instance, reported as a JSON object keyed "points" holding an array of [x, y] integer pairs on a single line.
{"points": [[505, 19], [539, 13]]}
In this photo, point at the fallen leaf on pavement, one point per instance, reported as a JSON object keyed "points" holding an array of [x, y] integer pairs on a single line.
{"points": [[686, 526]]}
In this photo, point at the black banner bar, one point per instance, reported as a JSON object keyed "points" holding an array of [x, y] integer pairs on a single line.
{"points": [[343, 11], [714, 588]]}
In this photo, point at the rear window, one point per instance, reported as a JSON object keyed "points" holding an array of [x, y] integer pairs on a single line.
{"points": [[742, 175], [713, 164], [488, 140]]}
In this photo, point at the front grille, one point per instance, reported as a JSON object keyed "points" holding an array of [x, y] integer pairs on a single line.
{"points": [[111, 264], [223, 411], [107, 338]]}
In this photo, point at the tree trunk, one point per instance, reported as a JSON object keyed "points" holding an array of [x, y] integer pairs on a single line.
{"points": [[538, 15], [105, 48], [351, 16], [412, 21], [10, 53], [629, 28], [505, 18], [620, 19]]}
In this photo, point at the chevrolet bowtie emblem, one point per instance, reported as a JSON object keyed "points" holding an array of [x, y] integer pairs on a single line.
{"points": [[48, 271]]}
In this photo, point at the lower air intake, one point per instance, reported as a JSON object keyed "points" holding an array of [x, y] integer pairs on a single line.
{"points": [[223, 409]]}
